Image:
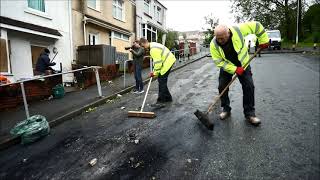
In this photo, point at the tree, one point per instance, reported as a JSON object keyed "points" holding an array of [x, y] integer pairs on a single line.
{"points": [[273, 14], [311, 22], [172, 36], [211, 22]]}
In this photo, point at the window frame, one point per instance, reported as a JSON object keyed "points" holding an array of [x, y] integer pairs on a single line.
{"points": [[158, 13], [121, 36], [116, 7], [44, 6], [97, 5], [96, 39], [147, 2]]}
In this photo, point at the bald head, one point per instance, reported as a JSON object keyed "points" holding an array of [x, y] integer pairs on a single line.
{"points": [[222, 34]]}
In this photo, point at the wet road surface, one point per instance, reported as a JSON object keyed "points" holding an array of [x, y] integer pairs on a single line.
{"points": [[175, 145]]}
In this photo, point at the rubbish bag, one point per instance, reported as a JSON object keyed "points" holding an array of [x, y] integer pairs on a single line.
{"points": [[58, 91], [31, 129]]}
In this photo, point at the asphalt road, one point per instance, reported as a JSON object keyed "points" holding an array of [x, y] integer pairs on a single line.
{"points": [[176, 146]]}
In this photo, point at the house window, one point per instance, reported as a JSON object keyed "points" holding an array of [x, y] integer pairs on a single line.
{"points": [[149, 32], [37, 4], [147, 6], [95, 4], [93, 39], [117, 9], [158, 14], [3, 56], [121, 36]]}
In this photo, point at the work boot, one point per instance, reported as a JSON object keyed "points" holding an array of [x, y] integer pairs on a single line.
{"points": [[224, 115], [158, 105], [254, 120]]}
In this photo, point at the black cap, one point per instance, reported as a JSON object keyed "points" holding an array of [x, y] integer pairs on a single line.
{"points": [[46, 50]]}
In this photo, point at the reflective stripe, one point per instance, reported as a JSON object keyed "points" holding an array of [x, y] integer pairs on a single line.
{"points": [[166, 57], [157, 69], [216, 45], [224, 65], [163, 49], [157, 62], [260, 34], [257, 27], [239, 34], [243, 57]]}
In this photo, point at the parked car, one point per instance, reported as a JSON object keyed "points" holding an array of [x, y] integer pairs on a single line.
{"points": [[274, 39]]}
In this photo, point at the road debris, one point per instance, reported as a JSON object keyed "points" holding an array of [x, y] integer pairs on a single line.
{"points": [[136, 141], [189, 160], [109, 101], [24, 160], [93, 162], [91, 109], [119, 95], [123, 107]]}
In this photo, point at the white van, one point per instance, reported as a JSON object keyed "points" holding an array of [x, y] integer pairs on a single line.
{"points": [[274, 39]]}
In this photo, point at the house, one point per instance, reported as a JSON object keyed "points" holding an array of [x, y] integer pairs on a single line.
{"points": [[29, 26], [193, 36], [150, 20], [110, 22]]}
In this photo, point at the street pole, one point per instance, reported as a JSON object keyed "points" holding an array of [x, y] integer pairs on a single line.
{"points": [[297, 34]]}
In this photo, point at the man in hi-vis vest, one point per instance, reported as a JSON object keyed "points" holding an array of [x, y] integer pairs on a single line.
{"points": [[230, 54], [163, 61]]}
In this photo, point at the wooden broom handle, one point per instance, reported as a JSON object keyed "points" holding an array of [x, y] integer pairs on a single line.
{"points": [[145, 96]]}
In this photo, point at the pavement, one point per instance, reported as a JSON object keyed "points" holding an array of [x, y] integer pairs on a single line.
{"points": [[74, 103], [175, 145]]}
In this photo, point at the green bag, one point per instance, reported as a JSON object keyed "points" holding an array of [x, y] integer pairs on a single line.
{"points": [[31, 129], [58, 91]]}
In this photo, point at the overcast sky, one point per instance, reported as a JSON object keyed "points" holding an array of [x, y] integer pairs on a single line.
{"points": [[188, 15]]}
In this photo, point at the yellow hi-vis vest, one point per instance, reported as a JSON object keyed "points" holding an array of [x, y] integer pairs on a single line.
{"points": [[163, 59], [238, 41]]}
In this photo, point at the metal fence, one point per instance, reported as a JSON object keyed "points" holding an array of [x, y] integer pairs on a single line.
{"points": [[24, 97]]}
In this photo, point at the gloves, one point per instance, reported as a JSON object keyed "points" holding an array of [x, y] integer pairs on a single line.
{"points": [[53, 63], [264, 46], [151, 74], [239, 71]]}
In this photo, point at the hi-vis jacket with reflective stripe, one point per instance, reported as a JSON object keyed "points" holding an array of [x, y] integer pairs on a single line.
{"points": [[238, 34], [163, 59]]}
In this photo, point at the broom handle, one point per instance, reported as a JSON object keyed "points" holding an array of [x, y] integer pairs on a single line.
{"points": [[232, 80], [145, 96]]}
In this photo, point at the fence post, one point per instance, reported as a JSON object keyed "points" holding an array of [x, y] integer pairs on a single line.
{"points": [[98, 81], [24, 100], [124, 73]]}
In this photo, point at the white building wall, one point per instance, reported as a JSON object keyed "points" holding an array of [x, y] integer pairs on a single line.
{"points": [[143, 19], [57, 16]]}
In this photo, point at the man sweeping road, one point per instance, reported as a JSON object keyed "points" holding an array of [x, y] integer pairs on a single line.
{"points": [[230, 54], [163, 61]]}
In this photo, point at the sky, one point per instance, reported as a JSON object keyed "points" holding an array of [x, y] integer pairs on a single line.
{"points": [[188, 15]]}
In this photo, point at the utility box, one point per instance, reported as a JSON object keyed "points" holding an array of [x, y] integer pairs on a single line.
{"points": [[96, 55]]}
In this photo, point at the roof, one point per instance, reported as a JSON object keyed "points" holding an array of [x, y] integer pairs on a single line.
{"points": [[161, 4], [34, 27]]}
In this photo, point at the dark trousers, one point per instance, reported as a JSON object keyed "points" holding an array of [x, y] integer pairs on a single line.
{"points": [[164, 93], [247, 88], [138, 77]]}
